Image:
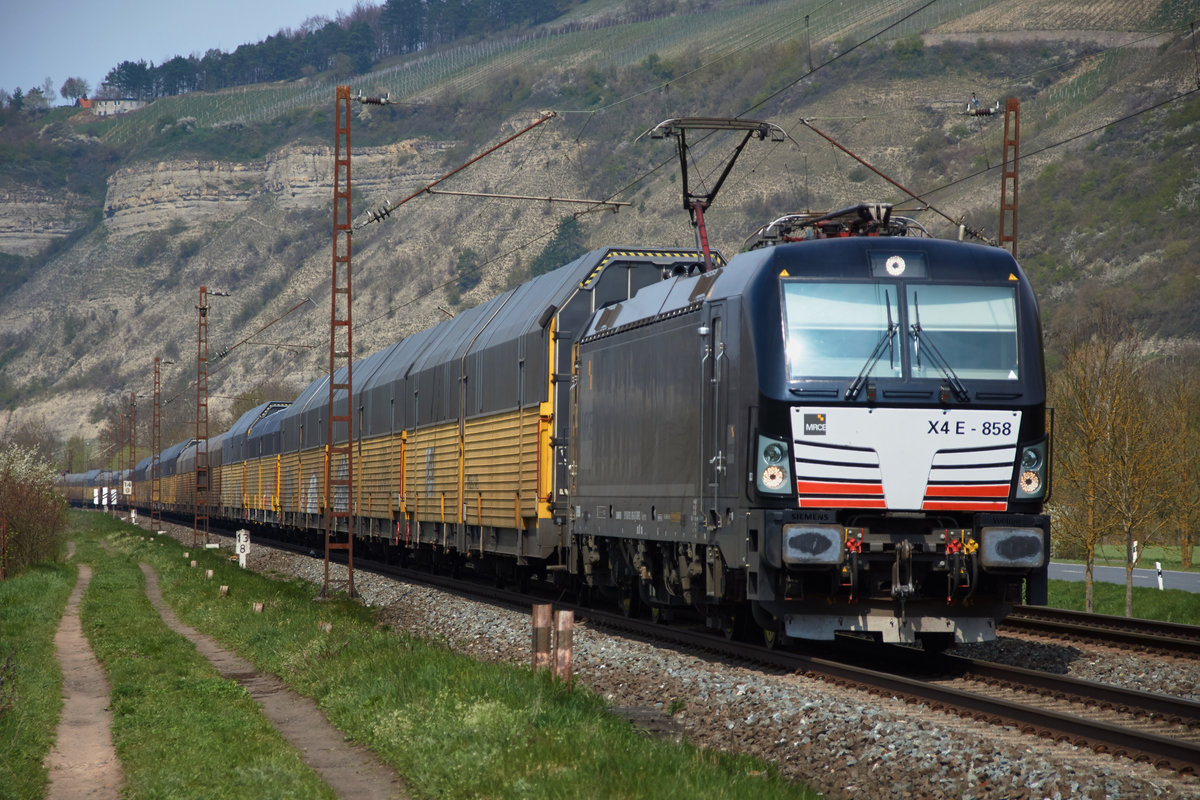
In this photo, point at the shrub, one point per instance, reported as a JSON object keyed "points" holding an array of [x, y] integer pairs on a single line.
{"points": [[34, 512]]}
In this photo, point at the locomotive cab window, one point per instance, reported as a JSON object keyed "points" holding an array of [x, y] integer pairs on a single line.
{"points": [[833, 329], [973, 327]]}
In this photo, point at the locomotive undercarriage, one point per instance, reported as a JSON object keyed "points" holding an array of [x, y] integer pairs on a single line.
{"points": [[902, 577], [660, 579]]}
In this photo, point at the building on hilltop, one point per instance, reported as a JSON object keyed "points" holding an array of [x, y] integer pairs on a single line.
{"points": [[111, 106]]}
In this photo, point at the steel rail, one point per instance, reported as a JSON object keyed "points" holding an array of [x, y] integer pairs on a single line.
{"points": [[1169, 637]]}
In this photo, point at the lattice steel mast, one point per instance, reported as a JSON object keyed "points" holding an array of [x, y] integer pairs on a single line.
{"points": [[339, 438], [132, 459], [1008, 179], [156, 451]]}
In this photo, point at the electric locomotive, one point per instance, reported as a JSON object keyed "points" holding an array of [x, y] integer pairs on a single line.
{"points": [[844, 429]]}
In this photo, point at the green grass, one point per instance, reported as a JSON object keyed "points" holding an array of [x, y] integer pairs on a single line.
{"points": [[1169, 605], [451, 726], [164, 694], [30, 679]]}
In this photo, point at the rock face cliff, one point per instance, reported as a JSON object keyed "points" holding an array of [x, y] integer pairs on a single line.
{"points": [[147, 197], [30, 219], [88, 325]]}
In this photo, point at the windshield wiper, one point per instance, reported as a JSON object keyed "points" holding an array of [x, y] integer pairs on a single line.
{"points": [[858, 383], [935, 356]]}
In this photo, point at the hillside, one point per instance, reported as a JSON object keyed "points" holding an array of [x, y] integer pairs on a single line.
{"points": [[111, 227]]}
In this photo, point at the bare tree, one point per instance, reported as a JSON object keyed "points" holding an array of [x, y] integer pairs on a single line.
{"points": [[1080, 433], [74, 88], [1141, 458], [1114, 449], [1180, 378], [36, 436]]}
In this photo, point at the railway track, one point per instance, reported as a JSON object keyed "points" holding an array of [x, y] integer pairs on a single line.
{"points": [[1149, 636], [1154, 728]]}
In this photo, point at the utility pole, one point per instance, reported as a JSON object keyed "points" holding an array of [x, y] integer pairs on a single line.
{"points": [[1008, 176], [339, 437], [132, 462], [200, 496], [156, 449]]}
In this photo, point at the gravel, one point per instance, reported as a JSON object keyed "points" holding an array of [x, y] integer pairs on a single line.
{"points": [[844, 742]]}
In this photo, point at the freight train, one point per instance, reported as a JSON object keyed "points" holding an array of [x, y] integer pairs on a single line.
{"points": [[842, 429]]}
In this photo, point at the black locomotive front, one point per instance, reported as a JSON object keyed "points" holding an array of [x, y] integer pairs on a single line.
{"points": [[901, 457]]}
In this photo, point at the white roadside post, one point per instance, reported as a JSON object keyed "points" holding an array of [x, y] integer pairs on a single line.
{"points": [[243, 546], [1158, 568]]}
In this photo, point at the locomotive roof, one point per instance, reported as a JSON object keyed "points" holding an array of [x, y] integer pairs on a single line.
{"points": [[839, 258], [850, 257]]}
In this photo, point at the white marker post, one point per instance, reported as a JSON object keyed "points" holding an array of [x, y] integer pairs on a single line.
{"points": [[1158, 567], [242, 546]]}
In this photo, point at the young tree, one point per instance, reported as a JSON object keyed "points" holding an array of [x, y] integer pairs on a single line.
{"points": [[1182, 396], [1142, 456], [1080, 432], [1113, 443]]}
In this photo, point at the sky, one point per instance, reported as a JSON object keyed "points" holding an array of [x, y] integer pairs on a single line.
{"points": [[85, 38]]}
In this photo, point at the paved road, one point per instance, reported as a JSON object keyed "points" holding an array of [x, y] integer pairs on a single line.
{"points": [[1187, 581]]}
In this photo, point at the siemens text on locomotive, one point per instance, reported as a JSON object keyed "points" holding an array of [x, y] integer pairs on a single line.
{"points": [[843, 428]]}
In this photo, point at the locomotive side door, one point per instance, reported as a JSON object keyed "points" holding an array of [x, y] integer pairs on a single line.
{"points": [[716, 447]]}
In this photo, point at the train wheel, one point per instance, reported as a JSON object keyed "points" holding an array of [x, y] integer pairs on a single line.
{"points": [[660, 615]]}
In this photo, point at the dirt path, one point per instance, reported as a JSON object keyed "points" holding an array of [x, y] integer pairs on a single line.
{"points": [[353, 772], [83, 763]]}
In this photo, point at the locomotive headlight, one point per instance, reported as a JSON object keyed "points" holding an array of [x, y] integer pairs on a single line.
{"points": [[773, 474], [773, 477], [1032, 477]]}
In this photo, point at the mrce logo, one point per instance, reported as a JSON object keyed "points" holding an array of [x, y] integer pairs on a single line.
{"points": [[814, 424]]}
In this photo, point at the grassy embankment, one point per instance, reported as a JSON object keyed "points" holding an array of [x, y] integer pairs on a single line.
{"points": [[451, 726]]}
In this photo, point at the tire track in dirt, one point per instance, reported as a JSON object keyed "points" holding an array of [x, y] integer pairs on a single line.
{"points": [[83, 763], [353, 771]]}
